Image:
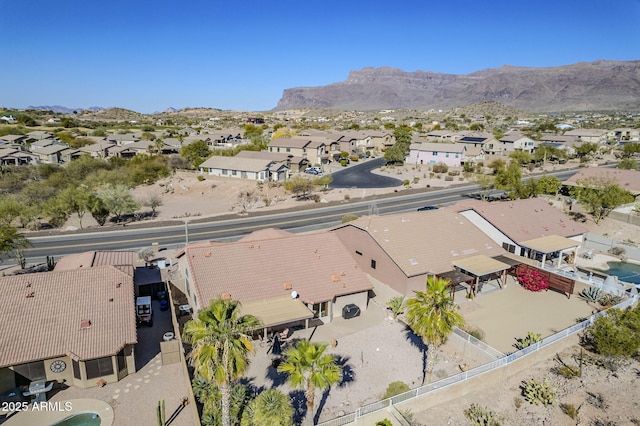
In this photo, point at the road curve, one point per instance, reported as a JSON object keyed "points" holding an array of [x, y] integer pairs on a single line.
{"points": [[360, 176]]}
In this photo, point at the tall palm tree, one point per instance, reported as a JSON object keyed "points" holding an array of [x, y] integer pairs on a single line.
{"points": [[432, 314], [308, 367], [220, 346]]}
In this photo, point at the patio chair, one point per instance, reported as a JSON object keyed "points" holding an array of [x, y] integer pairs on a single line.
{"points": [[284, 334], [588, 254]]}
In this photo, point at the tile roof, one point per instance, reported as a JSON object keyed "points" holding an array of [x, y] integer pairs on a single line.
{"points": [[427, 242], [42, 312], [317, 266], [437, 147], [626, 179], [235, 163], [91, 259], [523, 220], [264, 155]]}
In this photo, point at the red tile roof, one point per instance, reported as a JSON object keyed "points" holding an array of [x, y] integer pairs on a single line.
{"points": [[265, 265], [42, 314], [96, 258]]}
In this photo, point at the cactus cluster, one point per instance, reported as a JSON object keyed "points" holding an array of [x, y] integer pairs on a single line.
{"points": [[539, 393], [481, 416], [591, 294]]}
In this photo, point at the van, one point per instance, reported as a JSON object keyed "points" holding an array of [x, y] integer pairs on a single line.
{"points": [[144, 312]]}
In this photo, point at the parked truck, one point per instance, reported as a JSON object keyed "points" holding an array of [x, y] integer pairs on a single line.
{"points": [[144, 312]]}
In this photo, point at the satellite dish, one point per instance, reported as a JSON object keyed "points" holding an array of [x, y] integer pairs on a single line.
{"points": [[294, 294]]}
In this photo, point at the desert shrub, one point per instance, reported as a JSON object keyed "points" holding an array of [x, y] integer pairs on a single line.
{"points": [[616, 334], [567, 371], [349, 217], [617, 251], [384, 422], [354, 158], [591, 294], [406, 182], [395, 388], [453, 173], [481, 416], [468, 167], [416, 179], [315, 198], [597, 400], [431, 175], [539, 393], [517, 402], [610, 299], [343, 163], [570, 410], [448, 178], [347, 197], [200, 178], [528, 340], [440, 168]]}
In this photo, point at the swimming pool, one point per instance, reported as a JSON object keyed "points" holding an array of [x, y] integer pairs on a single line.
{"points": [[82, 419], [627, 272]]}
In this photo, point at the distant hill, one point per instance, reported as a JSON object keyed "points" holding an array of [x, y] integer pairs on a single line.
{"points": [[599, 85], [63, 110]]}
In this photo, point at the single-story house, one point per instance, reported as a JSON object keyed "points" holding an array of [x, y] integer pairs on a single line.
{"points": [[451, 154], [51, 153], [519, 225], [598, 136], [258, 169], [98, 149], [628, 180], [16, 157], [295, 164], [307, 276], [73, 326], [401, 250]]}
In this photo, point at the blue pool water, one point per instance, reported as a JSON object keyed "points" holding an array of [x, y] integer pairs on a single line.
{"points": [[628, 272], [82, 419]]}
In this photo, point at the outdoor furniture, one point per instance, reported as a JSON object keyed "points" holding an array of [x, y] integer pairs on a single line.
{"points": [[168, 336], [588, 254], [38, 389], [184, 309], [284, 334]]}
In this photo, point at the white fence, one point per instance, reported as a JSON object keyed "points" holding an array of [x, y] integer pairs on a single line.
{"points": [[474, 372], [604, 244]]}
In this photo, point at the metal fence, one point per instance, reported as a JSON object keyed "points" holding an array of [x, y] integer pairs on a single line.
{"points": [[492, 352], [474, 372], [604, 244]]}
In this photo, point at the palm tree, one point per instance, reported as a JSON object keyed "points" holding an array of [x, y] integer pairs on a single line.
{"points": [[271, 408], [432, 314], [220, 346], [396, 305], [308, 367]]}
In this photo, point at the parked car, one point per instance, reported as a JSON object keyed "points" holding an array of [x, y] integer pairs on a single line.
{"points": [[350, 311], [313, 170], [425, 208]]}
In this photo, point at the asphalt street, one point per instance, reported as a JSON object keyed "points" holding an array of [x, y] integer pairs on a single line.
{"points": [[360, 176]]}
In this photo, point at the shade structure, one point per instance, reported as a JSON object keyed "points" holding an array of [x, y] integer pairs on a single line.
{"points": [[480, 265], [550, 244]]}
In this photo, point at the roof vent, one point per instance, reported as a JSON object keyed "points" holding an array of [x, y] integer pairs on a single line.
{"points": [[31, 294], [335, 278], [287, 286], [226, 296], [111, 299], [85, 324], [118, 285], [207, 254], [294, 294], [28, 284]]}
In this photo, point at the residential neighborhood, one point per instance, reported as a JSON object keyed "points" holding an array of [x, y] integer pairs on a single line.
{"points": [[119, 327]]}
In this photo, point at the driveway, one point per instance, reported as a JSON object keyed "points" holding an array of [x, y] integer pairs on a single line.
{"points": [[360, 176]]}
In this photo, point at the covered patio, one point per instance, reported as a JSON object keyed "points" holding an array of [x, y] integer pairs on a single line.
{"points": [[483, 269], [552, 249], [458, 279], [278, 313]]}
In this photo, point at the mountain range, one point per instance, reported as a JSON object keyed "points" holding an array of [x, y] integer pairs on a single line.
{"points": [[601, 85]]}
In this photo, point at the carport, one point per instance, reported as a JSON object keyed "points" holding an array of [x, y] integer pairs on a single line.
{"points": [[550, 248], [278, 313], [484, 269]]}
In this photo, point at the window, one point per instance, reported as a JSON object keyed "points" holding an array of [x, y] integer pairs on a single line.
{"points": [[434, 153], [225, 171], [234, 172], [509, 247], [447, 155], [31, 371], [373, 264], [288, 149], [358, 253], [321, 309], [457, 155], [99, 367], [76, 369]]}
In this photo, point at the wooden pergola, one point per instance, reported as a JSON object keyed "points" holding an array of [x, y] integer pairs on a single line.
{"points": [[480, 266], [457, 278]]}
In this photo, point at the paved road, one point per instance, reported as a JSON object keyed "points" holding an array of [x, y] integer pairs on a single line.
{"points": [[175, 236], [360, 176]]}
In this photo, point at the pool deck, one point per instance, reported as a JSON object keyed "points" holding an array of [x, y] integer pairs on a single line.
{"points": [[49, 413]]}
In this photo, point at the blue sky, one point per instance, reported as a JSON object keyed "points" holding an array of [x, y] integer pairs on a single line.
{"points": [[151, 55]]}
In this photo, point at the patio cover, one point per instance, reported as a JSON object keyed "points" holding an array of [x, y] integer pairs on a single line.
{"points": [[455, 277], [481, 265], [277, 310], [550, 244]]}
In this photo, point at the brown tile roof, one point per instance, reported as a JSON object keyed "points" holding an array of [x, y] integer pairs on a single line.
{"points": [[271, 267], [626, 179], [90, 259], [427, 242], [266, 234], [523, 220], [42, 312]]}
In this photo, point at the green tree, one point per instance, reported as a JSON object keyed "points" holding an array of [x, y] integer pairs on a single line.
{"points": [[196, 152], [549, 185], [209, 395], [396, 305], [497, 165], [630, 148], [432, 315], [521, 157], [510, 179], [628, 164], [271, 408], [11, 240], [117, 199], [486, 184], [308, 367], [600, 195], [221, 345], [98, 210], [547, 152], [9, 210], [403, 135], [74, 199], [395, 153], [300, 186], [153, 202], [324, 181], [586, 149], [616, 334]]}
